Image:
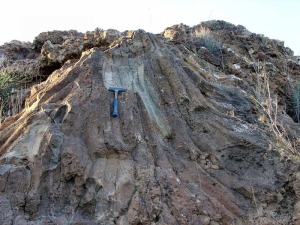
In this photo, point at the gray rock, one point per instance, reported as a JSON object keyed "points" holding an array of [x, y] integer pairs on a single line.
{"points": [[187, 148]]}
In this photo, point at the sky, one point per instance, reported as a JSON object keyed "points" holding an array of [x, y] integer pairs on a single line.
{"points": [[24, 19]]}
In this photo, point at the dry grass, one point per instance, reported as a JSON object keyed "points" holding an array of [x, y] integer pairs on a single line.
{"points": [[15, 80], [207, 40], [268, 105], [256, 206]]}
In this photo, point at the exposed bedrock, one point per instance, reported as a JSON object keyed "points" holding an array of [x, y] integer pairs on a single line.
{"points": [[175, 154]]}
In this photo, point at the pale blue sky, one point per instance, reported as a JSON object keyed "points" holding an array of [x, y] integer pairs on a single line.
{"points": [[23, 20]]}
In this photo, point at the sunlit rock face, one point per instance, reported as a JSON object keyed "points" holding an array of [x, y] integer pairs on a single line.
{"points": [[188, 147]]}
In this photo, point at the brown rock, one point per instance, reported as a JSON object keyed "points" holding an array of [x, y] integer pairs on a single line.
{"points": [[173, 156]]}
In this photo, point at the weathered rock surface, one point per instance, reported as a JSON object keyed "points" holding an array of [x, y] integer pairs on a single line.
{"points": [[187, 148]]}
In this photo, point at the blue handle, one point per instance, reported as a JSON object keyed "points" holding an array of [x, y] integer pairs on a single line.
{"points": [[115, 112]]}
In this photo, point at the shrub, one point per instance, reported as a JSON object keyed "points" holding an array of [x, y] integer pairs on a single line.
{"points": [[208, 41], [295, 97], [268, 105], [7, 83], [12, 86]]}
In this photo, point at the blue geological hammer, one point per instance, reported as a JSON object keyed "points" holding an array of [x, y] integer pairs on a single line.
{"points": [[116, 90]]}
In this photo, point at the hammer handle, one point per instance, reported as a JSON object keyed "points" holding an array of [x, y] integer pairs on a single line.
{"points": [[115, 112]]}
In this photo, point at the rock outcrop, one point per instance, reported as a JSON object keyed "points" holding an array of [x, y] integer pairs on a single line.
{"points": [[189, 145]]}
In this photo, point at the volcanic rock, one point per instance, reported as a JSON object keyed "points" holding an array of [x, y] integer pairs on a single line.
{"points": [[188, 147]]}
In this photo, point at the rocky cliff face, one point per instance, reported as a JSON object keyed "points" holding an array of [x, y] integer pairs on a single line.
{"points": [[193, 143]]}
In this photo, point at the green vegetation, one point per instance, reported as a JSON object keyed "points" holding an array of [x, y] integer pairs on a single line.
{"points": [[7, 83], [12, 85], [212, 43], [208, 41], [295, 97]]}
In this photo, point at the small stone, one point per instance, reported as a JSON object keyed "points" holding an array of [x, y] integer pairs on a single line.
{"points": [[215, 167], [204, 156], [205, 220]]}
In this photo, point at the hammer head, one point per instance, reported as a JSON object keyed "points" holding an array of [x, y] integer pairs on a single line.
{"points": [[117, 89]]}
